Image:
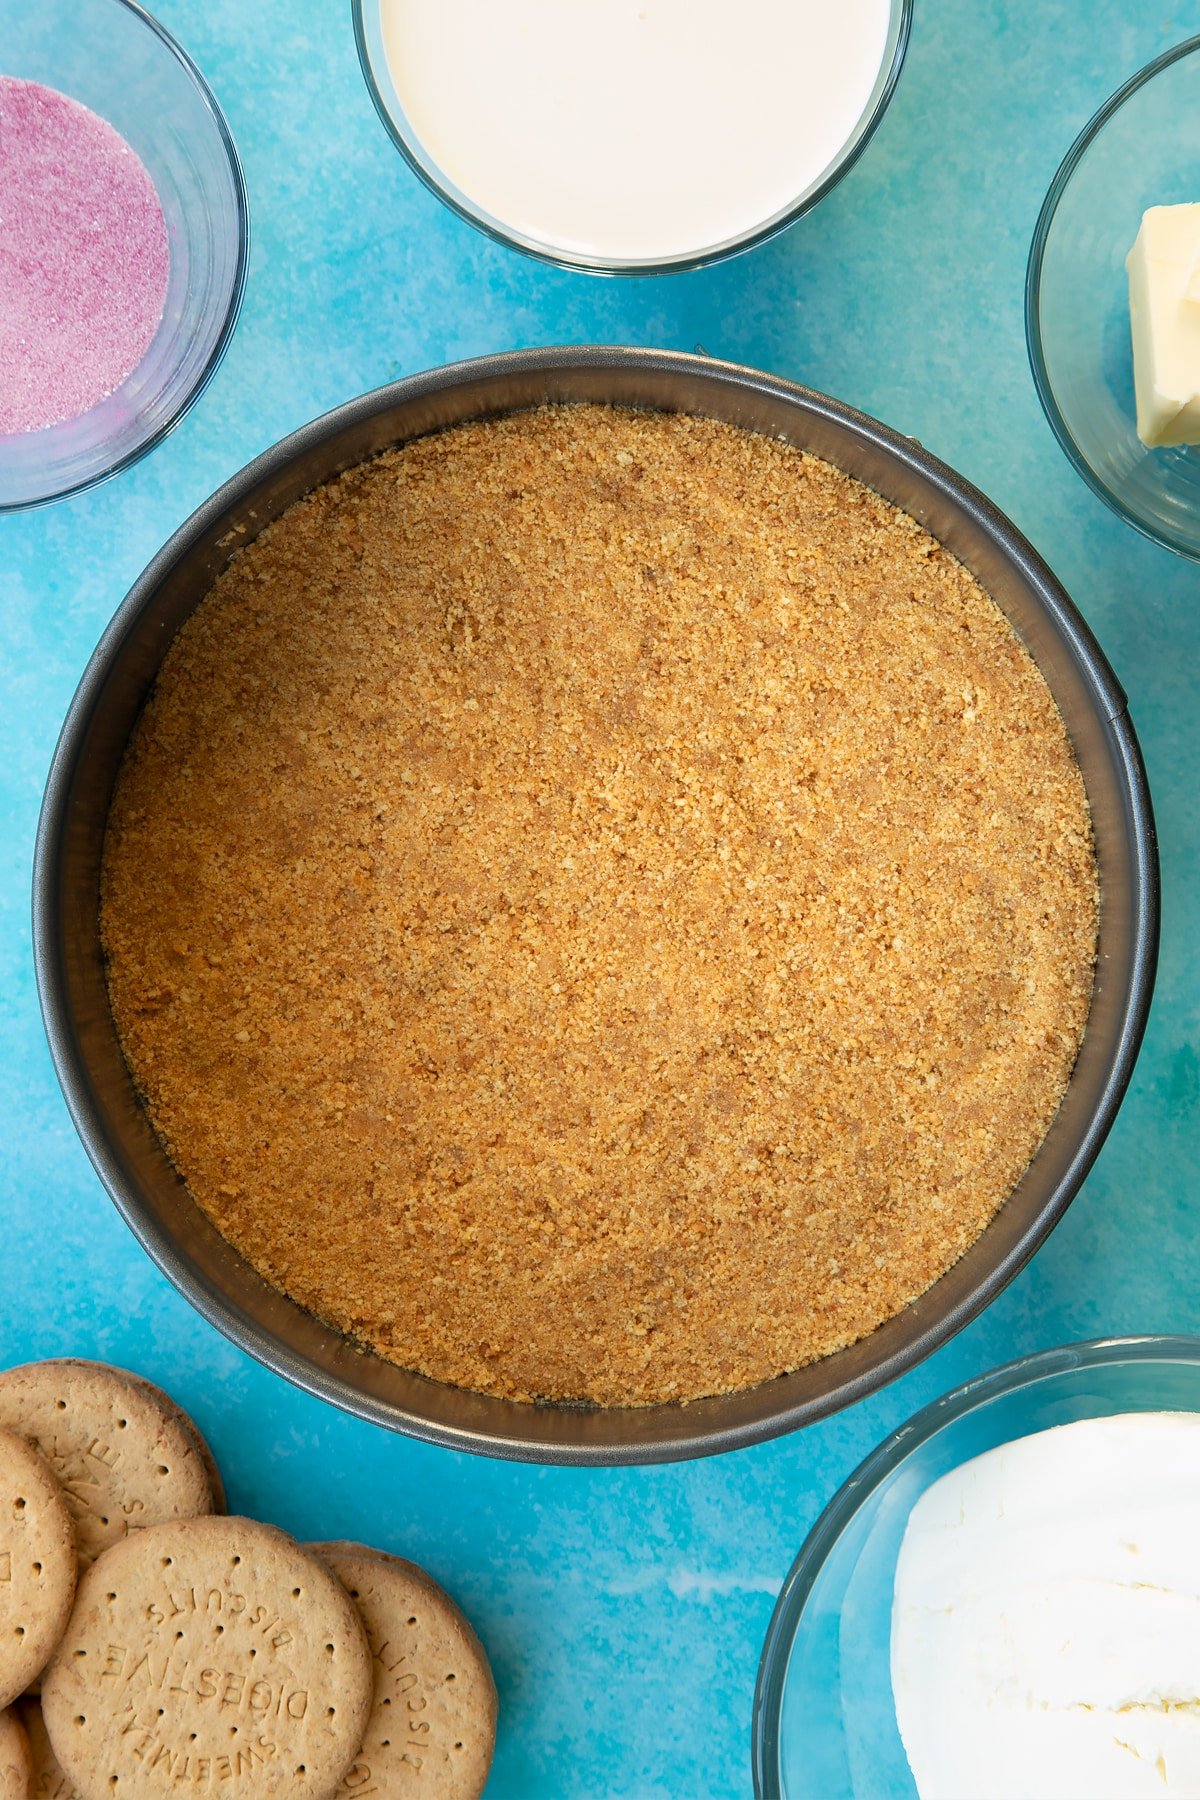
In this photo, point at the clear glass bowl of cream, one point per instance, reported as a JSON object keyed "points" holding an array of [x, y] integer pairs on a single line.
{"points": [[631, 136], [825, 1713]]}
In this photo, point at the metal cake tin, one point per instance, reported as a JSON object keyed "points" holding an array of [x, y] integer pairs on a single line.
{"points": [[70, 971]]}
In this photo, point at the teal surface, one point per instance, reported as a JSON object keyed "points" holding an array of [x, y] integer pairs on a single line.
{"points": [[624, 1610]]}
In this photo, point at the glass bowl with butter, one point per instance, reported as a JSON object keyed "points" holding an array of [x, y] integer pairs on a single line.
{"points": [[1122, 219], [1008, 1582]]}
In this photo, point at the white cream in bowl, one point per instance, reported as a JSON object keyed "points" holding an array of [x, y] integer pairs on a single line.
{"points": [[634, 130], [1046, 1618]]}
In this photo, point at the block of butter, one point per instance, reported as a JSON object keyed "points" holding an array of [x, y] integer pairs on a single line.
{"points": [[1164, 316]]}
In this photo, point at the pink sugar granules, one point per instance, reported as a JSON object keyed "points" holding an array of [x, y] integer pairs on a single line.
{"points": [[83, 257]]}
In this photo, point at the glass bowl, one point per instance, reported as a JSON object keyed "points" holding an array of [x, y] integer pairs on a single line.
{"points": [[117, 60], [824, 1719], [1141, 149], [69, 960], [368, 32]]}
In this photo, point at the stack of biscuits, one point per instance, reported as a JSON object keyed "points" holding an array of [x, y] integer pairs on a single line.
{"points": [[148, 1640]]}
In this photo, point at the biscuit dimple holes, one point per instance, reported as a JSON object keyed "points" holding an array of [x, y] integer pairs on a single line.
{"points": [[413, 1620], [61, 1405], [329, 1649], [167, 1561], [236, 1561], [37, 1568], [451, 1676], [458, 1746], [20, 1504], [163, 1469], [121, 1424], [296, 1593]]}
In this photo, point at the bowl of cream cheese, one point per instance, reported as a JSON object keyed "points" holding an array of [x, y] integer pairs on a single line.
{"points": [[633, 137], [1001, 1600]]}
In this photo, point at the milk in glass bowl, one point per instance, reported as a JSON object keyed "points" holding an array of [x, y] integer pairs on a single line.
{"points": [[631, 136]]}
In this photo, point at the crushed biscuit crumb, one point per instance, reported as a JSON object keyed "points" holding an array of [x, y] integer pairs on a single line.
{"points": [[599, 906]]}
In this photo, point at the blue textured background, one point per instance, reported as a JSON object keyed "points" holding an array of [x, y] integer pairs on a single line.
{"points": [[624, 1610]]}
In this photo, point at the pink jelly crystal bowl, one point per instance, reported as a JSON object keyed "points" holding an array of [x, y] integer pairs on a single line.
{"points": [[113, 58]]}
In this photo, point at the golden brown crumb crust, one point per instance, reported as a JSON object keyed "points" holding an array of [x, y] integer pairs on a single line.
{"points": [[600, 905]]}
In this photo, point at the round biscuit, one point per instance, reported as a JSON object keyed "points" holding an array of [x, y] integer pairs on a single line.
{"points": [[433, 1717], [213, 1653], [37, 1565], [198, 1440], [16, 1768], [46, 1778], [123, 1459]]}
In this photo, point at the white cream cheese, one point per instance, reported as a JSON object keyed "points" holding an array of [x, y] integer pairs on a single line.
{"points": [[634, 129], [1164, 320], [1046, 1618]]}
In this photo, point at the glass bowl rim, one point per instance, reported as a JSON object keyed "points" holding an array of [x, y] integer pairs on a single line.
{"points": [[1033, 283], [900, 13], [233, 307], [875, 1468]]}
